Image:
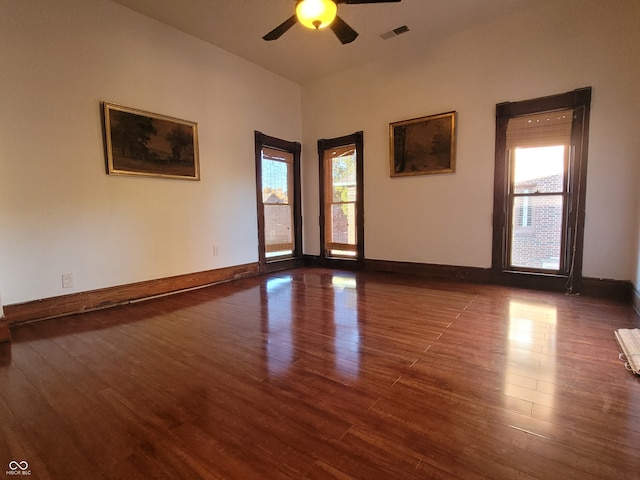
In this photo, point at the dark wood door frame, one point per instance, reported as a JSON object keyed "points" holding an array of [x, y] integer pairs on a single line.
{"points": [[357, 139], [571, 279], [296, 259]]}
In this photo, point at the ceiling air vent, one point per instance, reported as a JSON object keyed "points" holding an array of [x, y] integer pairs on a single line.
{"points": [[394, 33]]}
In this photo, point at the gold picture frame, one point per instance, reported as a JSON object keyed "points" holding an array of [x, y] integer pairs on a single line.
{"points": [[423, 146], [148, 144]]}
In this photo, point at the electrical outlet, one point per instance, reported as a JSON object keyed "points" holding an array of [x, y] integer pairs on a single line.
{"points": [[67, 280], [216, 250]]}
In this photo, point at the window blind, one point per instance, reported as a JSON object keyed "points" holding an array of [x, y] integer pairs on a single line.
{"points": [[540, 130]]}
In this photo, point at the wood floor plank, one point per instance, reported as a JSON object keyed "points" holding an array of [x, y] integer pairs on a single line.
{"points": [[316, 373]]}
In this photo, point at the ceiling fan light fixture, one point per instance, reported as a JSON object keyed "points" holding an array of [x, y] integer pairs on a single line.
{"points": [[316, 14]]}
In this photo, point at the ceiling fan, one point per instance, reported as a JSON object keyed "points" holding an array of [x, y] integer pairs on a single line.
{"points": [[316, 14]]}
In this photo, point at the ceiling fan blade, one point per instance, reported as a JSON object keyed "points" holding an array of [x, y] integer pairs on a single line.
{"points": [[343, 31], [354, 2], [280, 29]]}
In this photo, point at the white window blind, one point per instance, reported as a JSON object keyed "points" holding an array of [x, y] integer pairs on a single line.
{"points": [[540, 130]]}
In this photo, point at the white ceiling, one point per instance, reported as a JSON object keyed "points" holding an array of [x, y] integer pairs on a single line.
{"points": [[304, 55]]}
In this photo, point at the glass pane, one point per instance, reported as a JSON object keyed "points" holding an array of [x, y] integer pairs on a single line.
{"points": [[539, 169], [536, 232], [275, 181], [343, 253], [277, 225], [344, 193], [343, 177], [343, 223], [279, 253]]}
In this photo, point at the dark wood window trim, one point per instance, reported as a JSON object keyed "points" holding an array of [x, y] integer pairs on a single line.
{"points": [[570, 279], [357, 139], [296, 259]]}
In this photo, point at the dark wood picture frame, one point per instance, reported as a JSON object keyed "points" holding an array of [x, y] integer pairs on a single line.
{"points": [[148, 144], [423, 146]]}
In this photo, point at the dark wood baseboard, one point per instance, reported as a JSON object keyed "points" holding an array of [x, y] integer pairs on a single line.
{"points": [[111, 296], [528, 280], [635, 298], [280, 265], [333, 263], [4, 330], [431, 271], [620, 290]]}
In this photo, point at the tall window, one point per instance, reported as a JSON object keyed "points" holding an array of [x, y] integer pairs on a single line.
{"points": [[278, 192], [277, 202], [541, 148], [342, 218], [340, 201], [538, 146]]}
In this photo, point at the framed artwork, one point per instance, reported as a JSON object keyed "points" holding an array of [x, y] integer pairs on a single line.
{"points": [[423, 146], [148, 144]]}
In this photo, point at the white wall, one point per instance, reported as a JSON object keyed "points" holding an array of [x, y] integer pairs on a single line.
{"points": [[59, 211], [447, 219]]}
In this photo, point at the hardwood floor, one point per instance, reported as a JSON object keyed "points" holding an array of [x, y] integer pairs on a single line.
{"points": [[321, 374]]}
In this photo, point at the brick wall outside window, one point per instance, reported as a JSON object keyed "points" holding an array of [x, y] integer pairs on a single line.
{"points": [[538, 245]]}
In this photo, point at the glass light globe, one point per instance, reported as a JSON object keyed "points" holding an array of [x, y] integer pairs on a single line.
{"points": [[316, 14]]}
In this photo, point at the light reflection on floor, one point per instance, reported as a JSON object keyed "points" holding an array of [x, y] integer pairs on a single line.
{"points": [[347, 338], [281, 325], [280, 342], [530, 374]]}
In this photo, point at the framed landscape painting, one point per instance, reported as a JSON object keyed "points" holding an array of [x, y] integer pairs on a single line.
{"points": [[423, 146], [148, 144]]}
